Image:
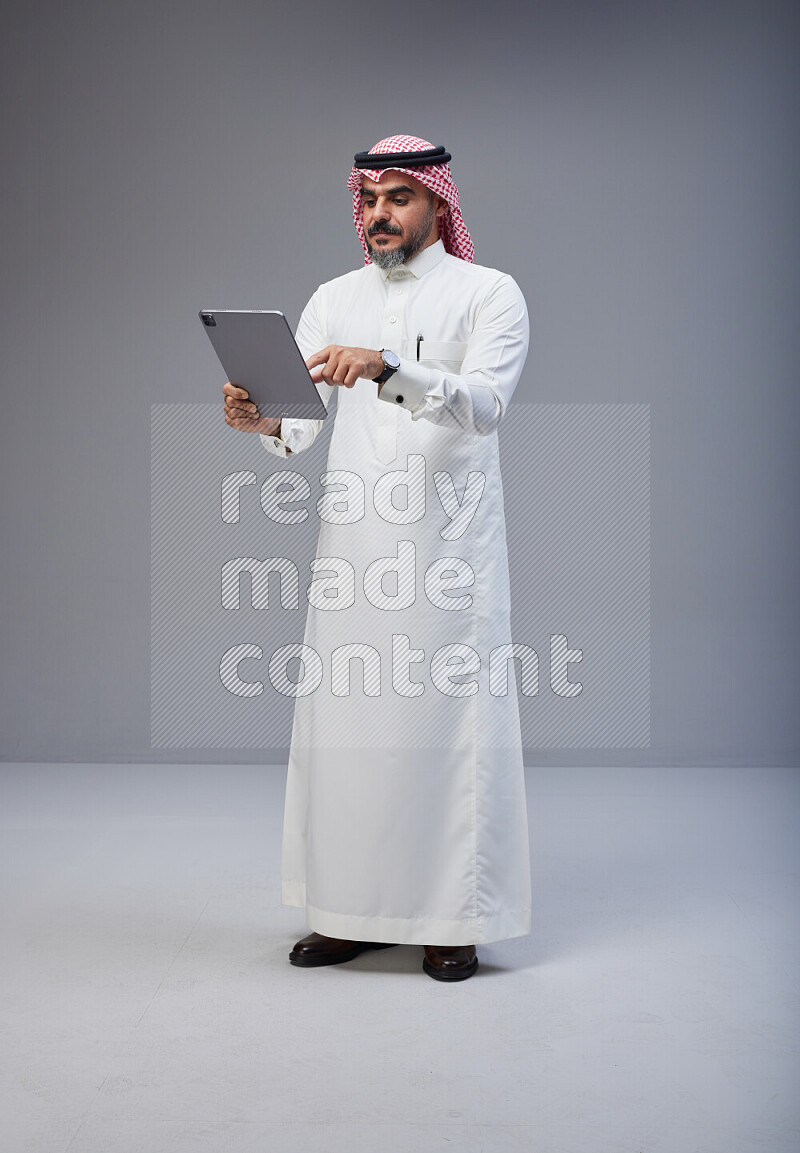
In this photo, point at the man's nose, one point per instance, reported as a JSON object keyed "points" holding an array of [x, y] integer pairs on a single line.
{"points": [[381, 211]]}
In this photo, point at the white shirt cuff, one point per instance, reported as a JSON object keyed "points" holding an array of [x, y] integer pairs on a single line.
{"points": [[408, 386], [274, 444]]}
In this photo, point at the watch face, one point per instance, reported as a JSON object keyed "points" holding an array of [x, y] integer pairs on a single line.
{"points": [[390, 359]]}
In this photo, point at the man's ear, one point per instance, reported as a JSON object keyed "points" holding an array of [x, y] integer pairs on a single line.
{"points": [[442, 206]]}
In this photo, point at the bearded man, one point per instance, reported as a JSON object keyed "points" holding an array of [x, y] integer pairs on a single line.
{"points": [[405, 817]]}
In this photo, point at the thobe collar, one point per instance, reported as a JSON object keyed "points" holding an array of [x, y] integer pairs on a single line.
{"points": [[418, 265]]}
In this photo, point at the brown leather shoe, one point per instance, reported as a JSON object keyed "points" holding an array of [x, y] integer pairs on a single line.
{"points": [[318, 950], [450, 962]]}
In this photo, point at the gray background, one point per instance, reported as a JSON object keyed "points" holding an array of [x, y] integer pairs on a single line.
{"points": [[630, 165]]}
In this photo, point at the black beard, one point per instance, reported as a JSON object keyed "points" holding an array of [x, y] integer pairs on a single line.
{"points": [[393, 258]]}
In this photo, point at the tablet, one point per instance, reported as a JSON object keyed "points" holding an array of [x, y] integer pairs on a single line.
{"points": [[259, 353]]}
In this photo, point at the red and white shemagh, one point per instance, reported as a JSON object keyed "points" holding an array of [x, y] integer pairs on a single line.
{"points": [[452, 229]]}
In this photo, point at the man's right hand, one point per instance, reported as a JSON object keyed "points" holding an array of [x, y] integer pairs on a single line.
{"points": [[242, 414]]}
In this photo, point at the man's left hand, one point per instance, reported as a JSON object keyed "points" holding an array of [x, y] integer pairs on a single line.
{"points": [[338, 365]]}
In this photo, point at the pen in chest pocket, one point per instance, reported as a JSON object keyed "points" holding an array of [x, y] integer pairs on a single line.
{"points": [[420, 338]]}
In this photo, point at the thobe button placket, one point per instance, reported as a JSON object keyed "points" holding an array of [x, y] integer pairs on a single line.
{"points": [[386, 429], [386, 433]]}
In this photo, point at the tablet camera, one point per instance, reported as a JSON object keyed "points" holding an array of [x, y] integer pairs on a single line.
{"points": [[209, 322]]}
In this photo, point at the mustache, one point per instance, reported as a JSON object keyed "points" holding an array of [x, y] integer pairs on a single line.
{"points": [[384, 230]]}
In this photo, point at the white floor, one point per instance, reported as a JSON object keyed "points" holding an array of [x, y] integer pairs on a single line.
{"points": [[149, 1005]]}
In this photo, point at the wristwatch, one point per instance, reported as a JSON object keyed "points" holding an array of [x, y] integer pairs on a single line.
{"points": [[391, 363]]}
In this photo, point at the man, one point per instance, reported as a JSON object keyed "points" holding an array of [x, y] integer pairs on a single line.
{"points": [[405, 818]]}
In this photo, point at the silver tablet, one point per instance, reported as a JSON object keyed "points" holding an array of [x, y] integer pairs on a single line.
{"points": [[259, 353]]}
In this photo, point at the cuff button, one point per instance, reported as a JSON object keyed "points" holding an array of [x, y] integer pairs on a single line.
{"points": [[399, 399]]}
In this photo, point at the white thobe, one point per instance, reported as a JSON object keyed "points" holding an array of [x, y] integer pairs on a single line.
{"points": [[405, 816]]}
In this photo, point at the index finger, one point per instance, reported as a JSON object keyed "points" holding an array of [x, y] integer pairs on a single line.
{"points": [[234, 390], [319, 357]]}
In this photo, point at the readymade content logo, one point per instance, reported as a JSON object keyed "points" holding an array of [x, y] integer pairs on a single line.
{"points": [[251, 608]]}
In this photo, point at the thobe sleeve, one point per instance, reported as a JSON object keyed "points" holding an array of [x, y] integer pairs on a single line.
{"points": [[297, 434], [475, 398]]}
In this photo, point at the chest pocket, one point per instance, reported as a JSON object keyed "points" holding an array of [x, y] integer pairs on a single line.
{"points": [[448, 353]]}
